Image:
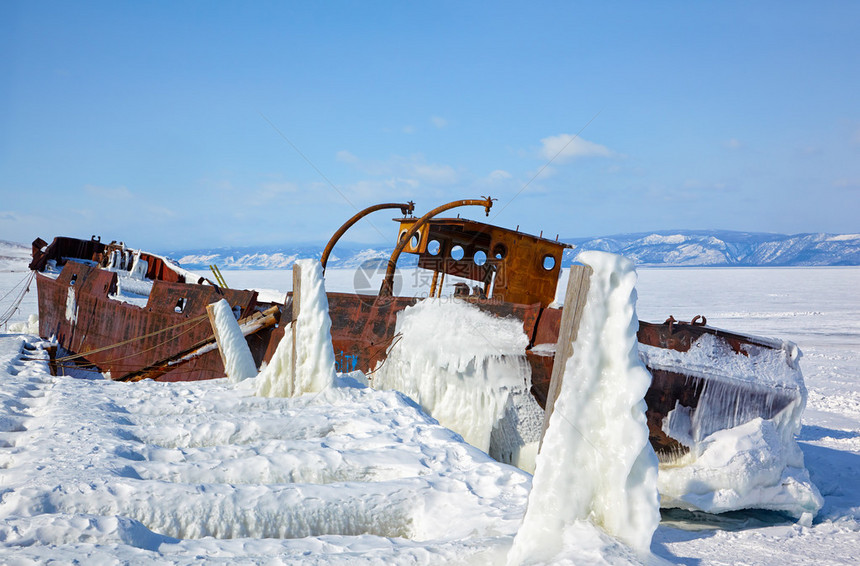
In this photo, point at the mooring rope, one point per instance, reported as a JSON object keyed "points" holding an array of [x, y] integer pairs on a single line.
{"points": [[196, 319], [393, 342], [138, 352], [13, 308]]}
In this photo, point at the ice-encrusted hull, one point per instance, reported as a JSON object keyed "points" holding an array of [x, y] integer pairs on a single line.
{"points": [[706, 379]]}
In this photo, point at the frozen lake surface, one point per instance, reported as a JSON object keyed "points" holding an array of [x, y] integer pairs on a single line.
{"points": [[171, 473]]}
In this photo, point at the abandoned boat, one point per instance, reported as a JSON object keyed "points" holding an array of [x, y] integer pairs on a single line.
{"points": [[135, 315]]}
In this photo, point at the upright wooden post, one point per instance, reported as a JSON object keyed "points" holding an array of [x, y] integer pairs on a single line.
{"points": [[571, 315], [210, 310], [297, 301]]}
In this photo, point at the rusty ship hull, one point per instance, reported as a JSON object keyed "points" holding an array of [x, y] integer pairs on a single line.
{"points": [[166, 335]]}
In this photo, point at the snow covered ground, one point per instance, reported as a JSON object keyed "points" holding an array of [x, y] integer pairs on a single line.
{"points": [[96, 471]]}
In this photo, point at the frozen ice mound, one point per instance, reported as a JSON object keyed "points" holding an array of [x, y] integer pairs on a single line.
{"points": [[467, 369], [741, 436]]}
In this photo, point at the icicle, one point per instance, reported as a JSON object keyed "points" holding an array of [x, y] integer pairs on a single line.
{"points": [[314, 355]]}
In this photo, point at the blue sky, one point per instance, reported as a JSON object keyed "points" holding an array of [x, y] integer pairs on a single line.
{"points": [[172, 125]]}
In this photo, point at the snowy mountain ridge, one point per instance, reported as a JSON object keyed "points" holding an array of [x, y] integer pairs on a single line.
{"points": [[663, 248], [726, 248], [688, 248]]}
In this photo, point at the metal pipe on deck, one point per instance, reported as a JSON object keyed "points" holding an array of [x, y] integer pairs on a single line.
{"points": [[387, 288], [405, 208]]}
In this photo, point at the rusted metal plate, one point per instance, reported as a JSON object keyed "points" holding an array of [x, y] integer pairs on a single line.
{"points": [[524, 269], [679, 336], [157, 269], [86, 320], [548, 327], [363, 328], [64, 247], [541, 367]]}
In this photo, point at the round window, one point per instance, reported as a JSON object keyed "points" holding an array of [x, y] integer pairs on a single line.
{"points": [[480, 257], [433, 247], [548, 262], [416, 239], [457, 252]]}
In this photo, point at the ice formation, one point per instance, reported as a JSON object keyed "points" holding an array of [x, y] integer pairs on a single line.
{"points": [[138, 267], [736, 459], [468, 370], [238, 361], [756, 465], [30, 326], [71, 306], [596, 464], [314, 355], [132, 285]]}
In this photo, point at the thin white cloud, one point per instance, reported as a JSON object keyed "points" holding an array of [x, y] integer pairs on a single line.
{"points": [[399, 183], [409, 129], [345, 156], [845, 183], [398, 167], [699, 185], [279, 187], [543, 173], [439, 122], [565, 147], [433, 173], [112, 193], [161, 211], [270, 192], [368, 190], [734, 143], [498, 175], [85, 213]]}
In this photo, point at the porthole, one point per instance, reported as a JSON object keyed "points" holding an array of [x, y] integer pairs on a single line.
{"points": [[414, 241], [548, 262], [457, 252], [433, 247], [480, 257], [500, 251], [402, 235]]}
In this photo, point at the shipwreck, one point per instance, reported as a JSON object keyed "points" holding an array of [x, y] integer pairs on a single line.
{"points": [[136, 315]]}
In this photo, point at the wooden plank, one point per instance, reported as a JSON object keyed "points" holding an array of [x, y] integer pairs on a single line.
{"points": [[210, 311], [297, 302], [571, 315]]}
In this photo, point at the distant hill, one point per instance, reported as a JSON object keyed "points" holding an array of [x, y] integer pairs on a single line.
{"points": [[14, 256], [665, 248], [725, 248], [699, 248], [276, 257]]}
